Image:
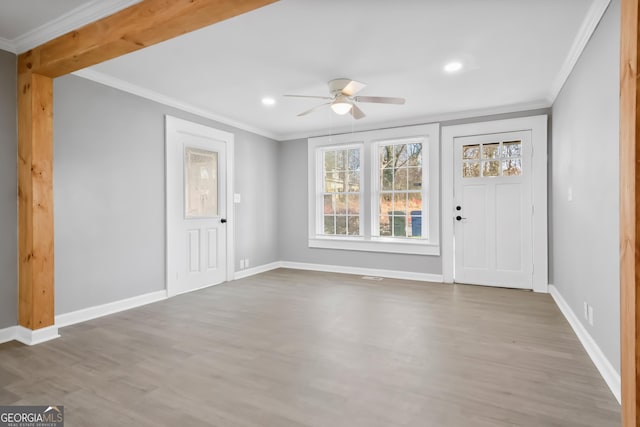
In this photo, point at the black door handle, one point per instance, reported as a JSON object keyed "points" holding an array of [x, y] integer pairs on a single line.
{"points": [[223, 220], [459, 218], [458, 208]]}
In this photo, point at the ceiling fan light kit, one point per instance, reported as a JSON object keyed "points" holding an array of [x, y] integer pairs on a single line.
{"points": [[343, 99]]}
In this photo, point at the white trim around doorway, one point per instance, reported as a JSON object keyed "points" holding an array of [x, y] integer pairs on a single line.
{"points": [[538, 127]]}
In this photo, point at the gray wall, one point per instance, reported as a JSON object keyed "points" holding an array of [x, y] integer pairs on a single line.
{"points": [[293, 181], [294, 224], [8, 192], [585, 234], [109, 168]]}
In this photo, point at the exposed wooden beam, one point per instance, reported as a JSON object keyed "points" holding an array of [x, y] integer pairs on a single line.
{"points": [[629, 210], [144, 24], [141, 25]]}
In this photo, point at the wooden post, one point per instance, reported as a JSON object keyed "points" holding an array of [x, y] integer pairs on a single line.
{"points": [[629, 209], [35, 199], [141, 25]]}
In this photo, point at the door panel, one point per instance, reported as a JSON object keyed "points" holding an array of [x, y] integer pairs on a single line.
{"points": [[493, 228], [196, 206]]}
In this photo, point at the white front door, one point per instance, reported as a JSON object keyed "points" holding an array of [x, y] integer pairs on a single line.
{"points": [[493, 210], [196, 205]]}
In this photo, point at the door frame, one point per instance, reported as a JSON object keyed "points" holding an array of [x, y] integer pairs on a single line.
{"points": [[184, 126], [538, 127]]}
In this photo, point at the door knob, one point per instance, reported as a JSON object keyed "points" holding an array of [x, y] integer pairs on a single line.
{"points": [[459, 218], [223, 220], [458, 208]]}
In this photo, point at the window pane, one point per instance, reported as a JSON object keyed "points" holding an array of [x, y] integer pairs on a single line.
{"points": [[329, 224], [415, 154], [398, 223], [512, 167], [401, 155], [354, 225], [415, 178], [354, 181], [491, 168], [386, 176], [329, 161], [200, 183], [512, 149], [341, 225], [491, 151], [386, 204], [341, 163], [415, 230], [400, 179], [414, 201], [328, 204], [471, 152], [341, 204], [353, 204], [471, 169], [400, 202], [354, 160]]}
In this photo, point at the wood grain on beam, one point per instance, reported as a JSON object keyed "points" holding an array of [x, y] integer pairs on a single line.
{"points": [[141, 25], [35, 200], [629, 209]]}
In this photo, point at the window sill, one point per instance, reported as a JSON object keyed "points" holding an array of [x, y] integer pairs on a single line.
{"points": [[396, 246]]}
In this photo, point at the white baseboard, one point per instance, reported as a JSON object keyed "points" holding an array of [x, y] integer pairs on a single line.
{"points": [[8, 334], [391, 274], [256, 270], [85, 314], [37, 336], [606, 369]]}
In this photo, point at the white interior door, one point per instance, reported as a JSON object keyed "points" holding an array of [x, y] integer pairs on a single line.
{"points": [[493, 210], [196, 206]]}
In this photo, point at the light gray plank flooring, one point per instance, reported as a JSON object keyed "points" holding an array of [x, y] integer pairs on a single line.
{"points": [[298, 348]]}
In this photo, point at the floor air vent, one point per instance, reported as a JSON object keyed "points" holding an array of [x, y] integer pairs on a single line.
{"points": [[372, 278]]}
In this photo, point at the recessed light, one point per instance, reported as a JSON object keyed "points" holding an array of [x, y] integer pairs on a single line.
{"points": [[453, 66], [268, 101]]}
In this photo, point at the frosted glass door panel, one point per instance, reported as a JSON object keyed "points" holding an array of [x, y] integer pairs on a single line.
{"points": [[200, 183]]}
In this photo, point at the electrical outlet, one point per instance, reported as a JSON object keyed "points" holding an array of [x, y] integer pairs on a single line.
{"points": [[237, 198], [591, 315], [246, 262], [241, 264], [586, 311], [570, 194]]}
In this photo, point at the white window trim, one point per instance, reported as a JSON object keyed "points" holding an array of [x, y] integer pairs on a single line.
{"points": [[368, 242]]}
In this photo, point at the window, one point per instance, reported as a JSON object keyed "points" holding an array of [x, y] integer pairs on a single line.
{"points": [[376, 191], [399, 189], [341, 191]]}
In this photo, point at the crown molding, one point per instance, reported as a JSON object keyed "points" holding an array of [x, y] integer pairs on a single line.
{"points": [[74, 19], [7, 45], [428, 118], [151, 95], [589, 25]]}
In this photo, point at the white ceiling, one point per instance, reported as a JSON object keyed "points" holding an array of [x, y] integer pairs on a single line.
{"points": [[516, 55]]}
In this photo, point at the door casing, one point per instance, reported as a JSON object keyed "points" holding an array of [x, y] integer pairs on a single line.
{"points": [[198, 129], [538, 127]]}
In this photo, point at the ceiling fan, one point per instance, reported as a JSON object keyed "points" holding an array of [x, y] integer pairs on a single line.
{"points": [[343, 99]]}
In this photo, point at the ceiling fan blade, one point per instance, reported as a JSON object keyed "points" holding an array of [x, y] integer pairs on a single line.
{"points": [[356, 112], [353, 87], [379, 99], [304, 113], [308, 96]]}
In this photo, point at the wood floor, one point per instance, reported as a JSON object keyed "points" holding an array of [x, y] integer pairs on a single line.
{"points": [[298, 348]]}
